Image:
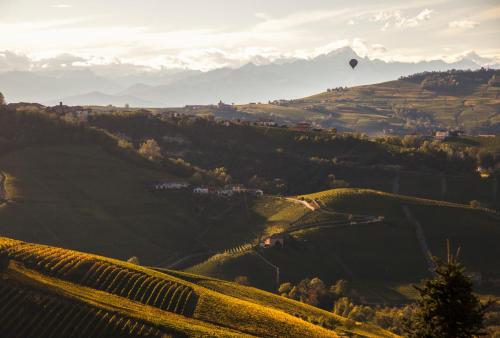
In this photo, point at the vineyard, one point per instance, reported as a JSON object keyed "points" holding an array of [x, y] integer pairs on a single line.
{"points": [[46, 291], [87, 271], [239, 249], [27, 313]]}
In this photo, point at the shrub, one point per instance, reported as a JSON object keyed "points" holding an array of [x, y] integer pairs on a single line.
{"points": [[242, 280], [150, 150]]}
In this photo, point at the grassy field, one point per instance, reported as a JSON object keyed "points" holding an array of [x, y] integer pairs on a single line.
{"points": [[98, 295], [379, 258], [85, 199], [82, 198]]}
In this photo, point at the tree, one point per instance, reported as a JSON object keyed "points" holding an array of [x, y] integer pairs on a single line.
{"points": [[340, 288], [285, 289], [197, 178], [150, 150], [447, 308], [2, 99]]}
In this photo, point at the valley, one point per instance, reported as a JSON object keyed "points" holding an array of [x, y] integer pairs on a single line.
{"points": [[180, 219]]}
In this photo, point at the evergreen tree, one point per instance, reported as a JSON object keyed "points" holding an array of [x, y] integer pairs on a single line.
{"points": [[447, 307], [2, 99]]}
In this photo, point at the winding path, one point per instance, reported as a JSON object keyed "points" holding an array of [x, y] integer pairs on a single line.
{"points": [[421, 239]]}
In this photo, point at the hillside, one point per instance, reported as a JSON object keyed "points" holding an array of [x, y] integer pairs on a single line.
{"points": [[84, 198], [401, 106], [73, 185], [379, 255], [290, 161], [48, 290]]}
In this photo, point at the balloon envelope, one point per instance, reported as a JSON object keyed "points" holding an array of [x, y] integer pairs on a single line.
{"points": [[353, 63]]}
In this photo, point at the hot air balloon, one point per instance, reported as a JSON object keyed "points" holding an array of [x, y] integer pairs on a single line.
{"points": [[353, 63]]}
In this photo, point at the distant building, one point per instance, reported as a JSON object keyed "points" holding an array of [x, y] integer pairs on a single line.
{"points": [[225, 107], [257, 192], [303, 126], [169, 114], [266, 123], [484, 172], [442, 135], [170, 185], [201, 191], [227, 191], [226, 123], [274, 240], [199, 106]]}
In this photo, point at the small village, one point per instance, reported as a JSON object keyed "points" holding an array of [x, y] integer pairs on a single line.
{"points": [[228, 190]]}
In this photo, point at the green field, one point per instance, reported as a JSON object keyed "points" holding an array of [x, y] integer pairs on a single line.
{"points": [[81, 197], [379, 258]]}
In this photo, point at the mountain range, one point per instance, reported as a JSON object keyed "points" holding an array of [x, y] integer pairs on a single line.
{"points": [[249, 83]]}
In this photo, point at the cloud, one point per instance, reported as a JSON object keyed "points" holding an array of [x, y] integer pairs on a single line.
{"points": [[397, 20], [61, 6], [492, 13], [296, 19], [360, 46], [365, 49], [326, 48], [378, 48], [10, 61], [463, 24]]}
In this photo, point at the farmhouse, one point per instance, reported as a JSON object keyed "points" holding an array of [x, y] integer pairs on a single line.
{"points": [[170, 185], [201, 191], [484, 172], [169, 114], [442, 135], [266, 123], [303, 126], [275, 240]]}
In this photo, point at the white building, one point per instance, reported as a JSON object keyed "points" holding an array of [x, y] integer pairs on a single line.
{"points": [[201, 191], [170, 185]]}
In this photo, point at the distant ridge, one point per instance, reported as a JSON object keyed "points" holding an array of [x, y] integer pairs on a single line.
{"points": [[282, 79]]}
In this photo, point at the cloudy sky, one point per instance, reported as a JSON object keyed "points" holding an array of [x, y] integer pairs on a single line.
{"points": [[205, 34]]}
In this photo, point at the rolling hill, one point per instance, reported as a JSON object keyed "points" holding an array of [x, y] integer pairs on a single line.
{"points": [[401, 106], [80, 196], [378, 254], [84, 186], [48, 290]]}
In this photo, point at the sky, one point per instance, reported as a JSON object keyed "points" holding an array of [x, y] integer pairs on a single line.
{"points": [[208, 34]]}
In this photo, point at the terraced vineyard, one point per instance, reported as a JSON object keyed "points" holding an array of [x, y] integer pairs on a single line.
{"points": [[46, 291], [239, 249], [27, 313], [79, 268]]}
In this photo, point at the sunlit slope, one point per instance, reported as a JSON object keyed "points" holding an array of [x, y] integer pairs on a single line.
{"points": [[59, 290], [386, 252], [376, 106]]}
